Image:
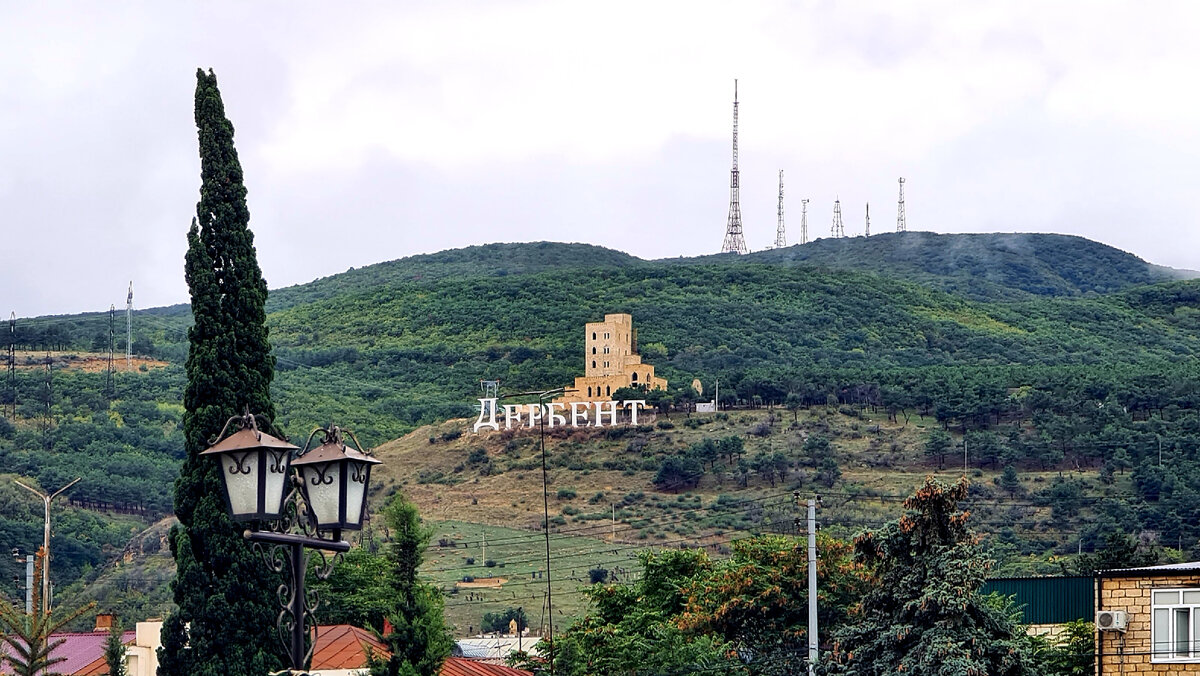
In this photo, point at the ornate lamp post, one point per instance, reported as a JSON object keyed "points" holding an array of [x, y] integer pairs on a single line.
{"points": [[328, 494]]}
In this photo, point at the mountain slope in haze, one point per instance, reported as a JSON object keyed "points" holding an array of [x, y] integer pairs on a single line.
{"points": [[982, 266]]}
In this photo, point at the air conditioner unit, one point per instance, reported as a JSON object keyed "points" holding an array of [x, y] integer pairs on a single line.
{"points": [[1112, 620]]}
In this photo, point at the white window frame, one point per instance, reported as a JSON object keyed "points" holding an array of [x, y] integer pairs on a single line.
{"points": [[1169, 610]]}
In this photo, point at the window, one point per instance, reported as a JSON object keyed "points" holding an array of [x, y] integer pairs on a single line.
{"points": [[593, 335], [606, 349], [593, 349], [607, 390], [589, 390], [635, 377], [593, 363], [607, 336], [1175, 625]]}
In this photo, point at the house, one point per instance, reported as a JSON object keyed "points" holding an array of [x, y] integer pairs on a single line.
{"points": [[1148, 620], [611, 361], [341, 650]]}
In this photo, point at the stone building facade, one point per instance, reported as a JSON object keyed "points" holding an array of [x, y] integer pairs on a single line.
{"points": [[612, 361], [1162, 604]]}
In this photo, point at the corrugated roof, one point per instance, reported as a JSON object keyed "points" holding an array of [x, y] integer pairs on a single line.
{"points": [[1165, 569], [458, 666], [342, 646], [80, 650]]}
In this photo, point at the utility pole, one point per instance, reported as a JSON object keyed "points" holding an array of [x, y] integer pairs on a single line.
{"points": [[614, 523], [110, 385], [12, 365], [964, 453], [129, 328], [901, 224], [813, 645], [804, 221], [46, 539], [485, 548], [28, 578]]}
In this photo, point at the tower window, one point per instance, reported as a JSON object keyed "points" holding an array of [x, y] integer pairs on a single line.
{"points": [[635, 377], [593, 335], [607, 391], [593, 349], [593, 363], [589, 391]]}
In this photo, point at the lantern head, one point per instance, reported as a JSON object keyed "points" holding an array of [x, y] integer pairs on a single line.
{"points": [[254, 469], [334, 478]]}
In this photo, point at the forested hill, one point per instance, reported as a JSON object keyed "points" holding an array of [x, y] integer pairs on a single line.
{"points": [[389, 347], [983, 266]]}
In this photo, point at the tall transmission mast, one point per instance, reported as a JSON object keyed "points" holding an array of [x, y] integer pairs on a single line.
{"points": [[804, 221], [837, 230], [734, 242], [868, 231], [901, 225], [129, 328], [780, 235]]}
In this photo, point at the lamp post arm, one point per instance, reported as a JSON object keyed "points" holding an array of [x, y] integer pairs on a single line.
{"points": [[30, 489], [56, 493]]}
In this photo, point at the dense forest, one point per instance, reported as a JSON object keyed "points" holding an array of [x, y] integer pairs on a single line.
{"points": [[1036, 351]]}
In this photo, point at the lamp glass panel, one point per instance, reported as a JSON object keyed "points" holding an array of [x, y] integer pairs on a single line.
{"points": [[240, 469], [356, 487], [278, 462], [323, 487]]}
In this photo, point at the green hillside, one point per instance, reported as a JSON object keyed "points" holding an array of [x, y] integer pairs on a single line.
{"points": [[1050, 373], [984, 266]]}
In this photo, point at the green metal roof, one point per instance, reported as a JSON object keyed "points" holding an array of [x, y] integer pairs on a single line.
{"points": [[1048, 600]]}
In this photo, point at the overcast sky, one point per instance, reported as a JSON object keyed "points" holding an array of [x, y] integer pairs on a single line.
{"points": [[370, 132]]}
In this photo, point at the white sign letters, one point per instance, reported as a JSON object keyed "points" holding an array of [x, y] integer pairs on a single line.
{"points": [[579, 414]]}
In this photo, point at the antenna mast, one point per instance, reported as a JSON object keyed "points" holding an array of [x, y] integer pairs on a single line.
{"points": [[129, 328], [868, 219], [804, 221], [734, 242], [780, 235], [901, 225], [837, 230]]}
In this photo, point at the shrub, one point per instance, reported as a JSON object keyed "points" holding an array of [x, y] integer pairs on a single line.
{"points": [[664, 425], [566, 494], [598, 575], [451, 435], [470, 560], [490, 563]]}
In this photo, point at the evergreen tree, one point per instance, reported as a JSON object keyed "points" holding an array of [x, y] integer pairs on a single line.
{"points": [[225, 598], [114, 651], [926, 616], [419, 640], [25, 644]]}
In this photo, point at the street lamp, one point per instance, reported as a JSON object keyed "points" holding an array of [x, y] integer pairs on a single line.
{"points": [[328, 494]]}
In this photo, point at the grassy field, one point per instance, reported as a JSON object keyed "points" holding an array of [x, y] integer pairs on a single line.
{"points": [[517, 577]]}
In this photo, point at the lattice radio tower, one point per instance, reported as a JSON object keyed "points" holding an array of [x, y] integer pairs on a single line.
{"points": [[109, 385], [734, 242], [837, 230], [868, 231], [780, 234], [804, 221], [491, 390], [129, 328], [12, 365], [901, 225]]}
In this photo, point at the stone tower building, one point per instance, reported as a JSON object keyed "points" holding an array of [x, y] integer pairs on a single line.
{"points": [[612, 361]]}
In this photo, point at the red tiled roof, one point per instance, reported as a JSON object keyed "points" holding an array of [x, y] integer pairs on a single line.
{"points": [[81, 650], [458, 666], [342, 646]]}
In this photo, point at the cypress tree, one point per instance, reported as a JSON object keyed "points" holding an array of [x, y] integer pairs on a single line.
{"points": [[225, 597]]}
